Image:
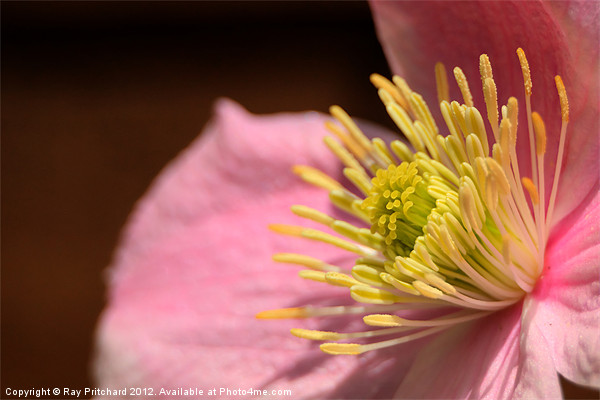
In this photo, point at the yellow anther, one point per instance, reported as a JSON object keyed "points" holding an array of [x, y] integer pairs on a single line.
{"points": [[284, 313], [562, 95], [316, 177], [398, 284], [317, 235], [370, 295], [404, 122], [525, 70], [405, 90], [359, 179], [312, 214], [341, 348], [439, 283], [381, 82], [385, 320], [367, 274], [533, 193], [463, 85], [423, 113], [382, 152], [505, 136], [458, 112], [317, 276], [347, 140], [306, 261], [338, 113], [314, 335], [499, 175], [540, 133], [513, 117], [475, 125], [427, 290], [491, 102], [385, 97], [344, 155], [290, 230], [485, 68], [339, 279], [441, 80]]}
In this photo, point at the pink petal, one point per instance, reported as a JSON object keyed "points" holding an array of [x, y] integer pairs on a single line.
{"points": [[558, 37], [194, 268], [565, 310], [478, 360]]}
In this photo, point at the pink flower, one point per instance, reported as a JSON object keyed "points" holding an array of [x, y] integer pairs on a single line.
{"points": [[194, 264]]}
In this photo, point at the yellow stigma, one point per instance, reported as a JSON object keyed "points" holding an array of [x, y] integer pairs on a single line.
{"points": [[443, 221]]}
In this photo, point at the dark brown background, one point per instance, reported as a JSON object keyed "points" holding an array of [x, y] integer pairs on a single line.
{"points": [[97, 98]]}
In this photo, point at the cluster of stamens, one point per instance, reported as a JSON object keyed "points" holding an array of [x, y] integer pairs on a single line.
{"points": [[454, 228]]}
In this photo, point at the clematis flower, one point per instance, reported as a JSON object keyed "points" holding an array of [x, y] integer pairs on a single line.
{"points": [[482, 280]]}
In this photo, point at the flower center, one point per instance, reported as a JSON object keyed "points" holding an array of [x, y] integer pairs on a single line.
{"points": [[398, 205], [454, 228]]}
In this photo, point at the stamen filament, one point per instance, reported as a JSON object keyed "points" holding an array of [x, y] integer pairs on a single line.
{"points": [[353, 349], [564, 110]]}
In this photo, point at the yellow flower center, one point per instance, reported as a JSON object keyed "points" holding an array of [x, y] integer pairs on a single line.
{"points": [[453, 225]]}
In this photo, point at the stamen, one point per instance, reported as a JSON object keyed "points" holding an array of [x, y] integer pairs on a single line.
{"points": [[348, 141], [562, 95], [342, 348], [528, 85], [532, 189], [283, 313], [314, 335], [525, 71], [485, 68], [540, 139], [564, 111], [463, 85], [290, 230], [317, 235], [341, 115], [335, 336], [301, 259], [360, 180], [312, 214], [439, 283], [441, 80], [427, 291], [344, 155], [404, 122], [491, 102], [317, 276], [386, 320], [353, 348], [316, 177], [370, 295], [540, 133], [405, 90], [380, 82], [339, 279]]}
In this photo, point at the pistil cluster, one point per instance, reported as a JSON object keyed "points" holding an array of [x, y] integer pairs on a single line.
{"points": [[450, 224]]}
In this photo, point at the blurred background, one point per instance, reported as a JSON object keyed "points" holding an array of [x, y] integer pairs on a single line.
{"points": [[97, 97]]}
